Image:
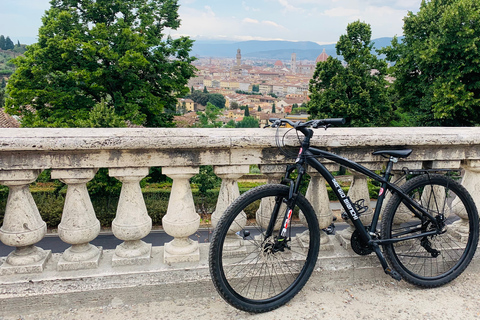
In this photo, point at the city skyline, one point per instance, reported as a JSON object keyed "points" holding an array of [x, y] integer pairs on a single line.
{"points": [[321, 21]]}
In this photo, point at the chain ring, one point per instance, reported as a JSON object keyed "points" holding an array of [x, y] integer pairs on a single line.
{"points": [[358, 245]]}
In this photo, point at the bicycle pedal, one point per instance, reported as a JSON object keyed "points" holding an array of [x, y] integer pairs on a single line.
{"points": [[394, 274]]}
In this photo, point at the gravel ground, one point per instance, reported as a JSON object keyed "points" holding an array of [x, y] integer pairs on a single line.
{"points": [[364, 299]]}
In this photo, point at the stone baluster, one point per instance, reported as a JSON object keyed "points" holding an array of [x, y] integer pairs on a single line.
{"points": [[471, 182], [181, 220], [132, 222], [79, 224], [229, 188], [22, 224], [228, 193], [274, 174], [358, 190], [317, 195]]}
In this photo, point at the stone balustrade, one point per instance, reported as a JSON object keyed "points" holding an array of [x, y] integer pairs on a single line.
{"points": [[75, 155]]}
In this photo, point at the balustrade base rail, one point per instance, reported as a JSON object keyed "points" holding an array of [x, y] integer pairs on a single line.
{"points": [[108, 285]]}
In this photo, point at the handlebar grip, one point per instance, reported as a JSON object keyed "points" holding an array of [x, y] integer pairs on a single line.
{"points": [[334, 121]]}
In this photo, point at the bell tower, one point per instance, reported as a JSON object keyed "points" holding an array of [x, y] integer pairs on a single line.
{"points": [[239, 58], [293, 64]]}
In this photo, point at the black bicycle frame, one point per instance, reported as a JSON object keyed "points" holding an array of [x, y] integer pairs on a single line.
{"points": [[309, 156]]}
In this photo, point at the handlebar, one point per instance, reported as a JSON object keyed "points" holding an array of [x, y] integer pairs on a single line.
{"points": [[312, 123]]}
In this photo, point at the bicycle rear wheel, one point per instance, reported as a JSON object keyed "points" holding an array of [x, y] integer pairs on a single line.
{"points": [[246, 271], [433, 260]]}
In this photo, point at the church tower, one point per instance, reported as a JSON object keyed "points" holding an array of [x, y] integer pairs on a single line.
{"points": [[239, 58], [293, 64]]}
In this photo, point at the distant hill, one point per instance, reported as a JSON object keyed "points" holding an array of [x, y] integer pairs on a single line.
{"points": [[281, 50]]}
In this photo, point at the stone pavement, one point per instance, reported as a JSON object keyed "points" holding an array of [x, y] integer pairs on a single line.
{"points": [[377, 298], [348, 291]]}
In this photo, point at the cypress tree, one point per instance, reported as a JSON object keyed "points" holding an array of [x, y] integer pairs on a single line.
{"points": [[9, 43]]}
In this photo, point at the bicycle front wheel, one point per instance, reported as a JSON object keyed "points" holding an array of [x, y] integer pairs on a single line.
{"points": [[246, 269], [431, 260]]}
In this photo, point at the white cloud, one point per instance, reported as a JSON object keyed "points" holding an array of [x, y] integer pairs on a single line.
{"points": [[247, 8], [209, 11], [312, 20], [266, 23], [205, 23], [249, 20], [289, 7], [273, 24]]}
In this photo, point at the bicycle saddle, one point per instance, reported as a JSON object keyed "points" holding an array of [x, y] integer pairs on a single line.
{"points": [[394, 153]]}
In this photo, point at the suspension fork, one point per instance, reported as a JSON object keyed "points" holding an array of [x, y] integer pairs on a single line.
{"points": [[290, 201]]}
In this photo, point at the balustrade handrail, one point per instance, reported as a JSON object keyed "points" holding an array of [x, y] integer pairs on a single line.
{"points": [[48, 139], [28, 148]]}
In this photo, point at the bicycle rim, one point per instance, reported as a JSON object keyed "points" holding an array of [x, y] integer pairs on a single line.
{"points": [[436, 259], [246, 271]]}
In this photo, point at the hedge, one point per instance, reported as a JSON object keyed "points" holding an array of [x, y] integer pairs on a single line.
{"points": [[50, 204]]}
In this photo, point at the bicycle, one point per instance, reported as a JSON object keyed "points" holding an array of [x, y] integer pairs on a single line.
{"points": [[259, 264]]}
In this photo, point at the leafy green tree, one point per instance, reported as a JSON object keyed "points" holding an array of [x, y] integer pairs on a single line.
{"points": [[92, 50], [259, 109], [208, 119], [163, 120], [248, 122], [247, 112], [299, 110], [205, 89], [206, 180], [273, 108], [217, 100], [199, 97], [182, 108], [230, 124], [2, 42], [437, 63], [234, 105], [103, 116], [2, 97], [255, 88], [358, 91]]}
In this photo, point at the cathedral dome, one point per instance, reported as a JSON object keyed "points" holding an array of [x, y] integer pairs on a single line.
{"points": [[322, 57]]}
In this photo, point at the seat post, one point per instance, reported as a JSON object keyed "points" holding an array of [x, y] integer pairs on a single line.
{"points": [[391, 161]]}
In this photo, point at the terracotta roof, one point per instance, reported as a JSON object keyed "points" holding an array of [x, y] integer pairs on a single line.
{"points": [[7, 121], [278, 63]]}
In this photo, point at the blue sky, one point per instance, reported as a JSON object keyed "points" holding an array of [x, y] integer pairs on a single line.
{"points": [[321, 21]]}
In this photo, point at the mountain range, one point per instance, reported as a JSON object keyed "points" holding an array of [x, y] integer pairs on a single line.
{"points": [[275, 49]]}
